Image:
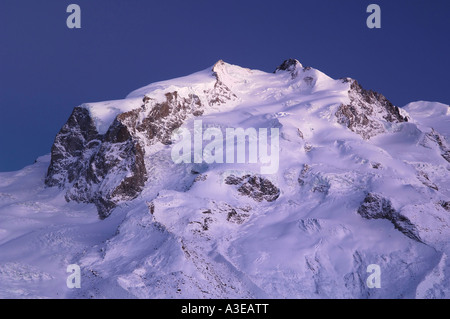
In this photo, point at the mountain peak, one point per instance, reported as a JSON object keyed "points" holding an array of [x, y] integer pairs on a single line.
{"points": [[218, 64], [289, 65], [222, 67]]}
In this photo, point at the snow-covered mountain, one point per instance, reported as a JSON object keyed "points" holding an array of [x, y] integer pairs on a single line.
{"points": [[358, 181]]}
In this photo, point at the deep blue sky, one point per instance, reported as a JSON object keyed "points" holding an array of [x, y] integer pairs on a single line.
{"points": [[47, 69]]}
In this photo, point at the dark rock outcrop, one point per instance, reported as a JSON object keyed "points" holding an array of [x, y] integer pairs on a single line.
{"points": [[166, 116], [375, 206], [69, 148], [287, 65], [445, 205], [99, 169], [367, 111], [292, 66], [256, 187]]}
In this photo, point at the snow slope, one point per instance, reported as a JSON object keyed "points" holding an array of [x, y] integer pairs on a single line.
{"points": [[359, 182]]}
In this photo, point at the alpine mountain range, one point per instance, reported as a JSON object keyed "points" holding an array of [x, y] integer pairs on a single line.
{"points": [[359, 182]]}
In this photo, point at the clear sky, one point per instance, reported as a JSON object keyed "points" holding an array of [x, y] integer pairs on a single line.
{"points": [[47, 69]]}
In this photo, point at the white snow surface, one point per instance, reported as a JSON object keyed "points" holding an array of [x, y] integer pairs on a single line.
{"points": [[176, 240], [431, 114]]}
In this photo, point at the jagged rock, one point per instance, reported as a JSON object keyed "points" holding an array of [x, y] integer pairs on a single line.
{"points": [[256, 187], [108, 168], [376, 165], [75, 137], [82, 159], [292, 66], [288, 65], [234, 217], [221, 93], [166, 116], [206, 222], [367, 112], [445, 205], [375, 206]]}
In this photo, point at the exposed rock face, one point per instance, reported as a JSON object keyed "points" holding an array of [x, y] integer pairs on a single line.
{"points": [[77, 135], [234, 217], [375, 206], [367, 111], [99, 169], [108, 168], [166, 116], [256, 187], [291, 65], [288, 65], [445, 205], [221, 93], [440, 141]]}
